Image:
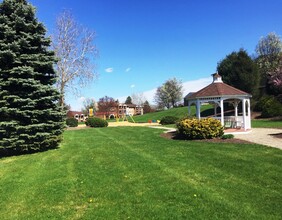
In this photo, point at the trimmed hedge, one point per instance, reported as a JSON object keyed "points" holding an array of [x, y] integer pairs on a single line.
{"points": [[96, 122], [72, 122], [167, 120], [207, 128]]}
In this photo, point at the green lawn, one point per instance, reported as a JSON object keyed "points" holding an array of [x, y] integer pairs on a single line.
{"points": [[266, 123], [179, 112], [133, 173]]}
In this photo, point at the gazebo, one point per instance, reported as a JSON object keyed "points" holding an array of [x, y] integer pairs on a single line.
{"points": [[218, 93]]}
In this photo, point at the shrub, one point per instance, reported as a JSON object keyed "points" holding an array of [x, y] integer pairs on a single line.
{"points": [[96, 122], [200, 129], [269, 107], [227, 136], [72, 122], [168, 120]]}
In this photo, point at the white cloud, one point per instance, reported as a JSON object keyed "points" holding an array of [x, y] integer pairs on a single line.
{"points": [[132, 86], [195, 85], [128, 69], [188, 86], [109, 70]]}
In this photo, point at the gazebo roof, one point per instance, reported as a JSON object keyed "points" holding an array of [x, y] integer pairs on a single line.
{"points": [[218, 89]]}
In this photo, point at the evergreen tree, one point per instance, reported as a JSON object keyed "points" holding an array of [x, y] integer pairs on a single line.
{"points": [[128, 100], [30, 118], [239, 70]]}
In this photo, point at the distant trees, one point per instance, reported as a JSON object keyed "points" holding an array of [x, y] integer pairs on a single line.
{"points": [[105, 104], [239, 70], [75, 49], [30, 119], [169, 94]]}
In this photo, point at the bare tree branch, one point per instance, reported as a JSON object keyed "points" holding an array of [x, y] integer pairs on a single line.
{"points": [[75, 49]]}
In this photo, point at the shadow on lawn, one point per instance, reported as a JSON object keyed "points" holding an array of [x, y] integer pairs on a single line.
{"points": [[14, 152]]}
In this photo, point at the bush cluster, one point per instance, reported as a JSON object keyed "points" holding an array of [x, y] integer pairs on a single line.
{"points": [[207, 128], [72, 122], [96, 122], [269, 107], [166, 120]]}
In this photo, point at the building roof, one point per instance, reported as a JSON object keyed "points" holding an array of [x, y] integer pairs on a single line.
{"points": [[217, 89]]}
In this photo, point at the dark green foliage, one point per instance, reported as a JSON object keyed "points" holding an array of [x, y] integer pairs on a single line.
{"points": [[128, 100], [269, 107], [30, 119], [193, 128], [72, 122], [227, 136], [96, 122], [239, 70], [167, 120]]}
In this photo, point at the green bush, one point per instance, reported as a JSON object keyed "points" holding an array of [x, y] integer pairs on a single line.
{"points": [[227, 136], [96, 122], [166, 120], [207, 128], [269, 107], [72, 122]]}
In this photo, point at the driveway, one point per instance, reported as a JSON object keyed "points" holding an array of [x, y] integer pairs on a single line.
{"points": [[263, 136]]}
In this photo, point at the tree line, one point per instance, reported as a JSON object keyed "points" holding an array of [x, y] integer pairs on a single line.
{"points": [[259, 75]]}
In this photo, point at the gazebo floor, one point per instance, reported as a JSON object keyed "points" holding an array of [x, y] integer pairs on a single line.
{"points": [[236, 131]]}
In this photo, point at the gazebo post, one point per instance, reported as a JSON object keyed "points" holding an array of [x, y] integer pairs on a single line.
{"points": [[249, 113], [244, 113], [221, 112], [189, 110], [198, 104], [214, 109]]}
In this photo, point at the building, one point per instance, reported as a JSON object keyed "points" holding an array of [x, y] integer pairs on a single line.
{"points": [[218, 93]]}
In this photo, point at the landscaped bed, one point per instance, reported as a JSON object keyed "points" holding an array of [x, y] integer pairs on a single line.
{"points": [[134, 173]]}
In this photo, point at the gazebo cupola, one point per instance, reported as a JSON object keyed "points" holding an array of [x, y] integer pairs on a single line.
{"points": [[219, 93]]}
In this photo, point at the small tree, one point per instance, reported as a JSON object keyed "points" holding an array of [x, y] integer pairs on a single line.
{"points": [[138, 98], [128, 100], [239, 70], [169, 94], [146, 107], [30, 118], [88, 104], [106, 104], [75, 49]]}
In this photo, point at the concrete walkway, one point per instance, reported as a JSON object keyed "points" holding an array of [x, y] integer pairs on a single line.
{"points": [[262, 136]]}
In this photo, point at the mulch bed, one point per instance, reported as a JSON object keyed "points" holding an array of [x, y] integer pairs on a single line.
{"points": [[174, 136]]}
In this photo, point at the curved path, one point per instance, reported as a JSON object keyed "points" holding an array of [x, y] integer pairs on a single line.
{"points": [[263, 136]]}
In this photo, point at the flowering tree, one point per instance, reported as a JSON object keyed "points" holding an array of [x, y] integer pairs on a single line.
{"points": [[169, 94], [269, 51]]}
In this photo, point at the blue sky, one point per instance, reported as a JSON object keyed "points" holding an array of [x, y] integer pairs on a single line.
{"points": [[143, 43]]}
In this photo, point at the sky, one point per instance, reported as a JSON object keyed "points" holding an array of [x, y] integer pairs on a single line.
{"points": [[143, 43]]}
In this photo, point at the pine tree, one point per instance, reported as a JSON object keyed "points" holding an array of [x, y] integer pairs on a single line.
{"points": [[30, 118]]}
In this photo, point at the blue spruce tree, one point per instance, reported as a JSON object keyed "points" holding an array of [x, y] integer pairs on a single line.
{"points": [[30, 118]]}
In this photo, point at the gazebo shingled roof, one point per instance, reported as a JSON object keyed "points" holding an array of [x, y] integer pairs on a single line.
{"points": [[218, 89]]}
